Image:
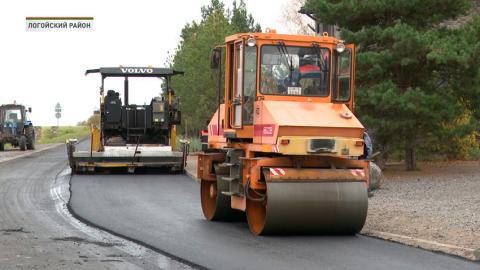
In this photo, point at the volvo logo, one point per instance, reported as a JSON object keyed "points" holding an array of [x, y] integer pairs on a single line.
{"points": [[137, 70]]}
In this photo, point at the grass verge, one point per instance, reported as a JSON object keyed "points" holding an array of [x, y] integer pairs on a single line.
{"points": [[195, 144], [49, 135]]}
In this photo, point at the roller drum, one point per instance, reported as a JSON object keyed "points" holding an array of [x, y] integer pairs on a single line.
{"points": [[306, 207]]}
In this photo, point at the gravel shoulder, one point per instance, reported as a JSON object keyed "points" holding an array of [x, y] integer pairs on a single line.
{"points": [[438, 205]]}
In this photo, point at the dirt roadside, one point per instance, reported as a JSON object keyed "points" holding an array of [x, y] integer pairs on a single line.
{"points": [[436, 208]]}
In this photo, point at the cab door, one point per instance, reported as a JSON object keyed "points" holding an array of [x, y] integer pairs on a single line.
{"points": [[236, 102], [249, 84]]}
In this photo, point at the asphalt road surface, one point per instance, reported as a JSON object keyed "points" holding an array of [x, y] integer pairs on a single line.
{"points": [[38, 232], [163, 212]]}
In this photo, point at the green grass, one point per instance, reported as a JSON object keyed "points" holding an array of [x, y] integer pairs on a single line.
{"points": [[64, 133], [195, 144], [7, 146]]}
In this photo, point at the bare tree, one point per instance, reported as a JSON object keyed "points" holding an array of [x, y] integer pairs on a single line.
{"points": [[294, 22]]}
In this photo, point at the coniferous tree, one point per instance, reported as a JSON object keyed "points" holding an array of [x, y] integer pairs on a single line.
{"points": [[241, 21], [198, 87], [414, 74]]}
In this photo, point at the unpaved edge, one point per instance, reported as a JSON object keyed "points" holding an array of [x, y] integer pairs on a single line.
{"points": [[468, 253]]}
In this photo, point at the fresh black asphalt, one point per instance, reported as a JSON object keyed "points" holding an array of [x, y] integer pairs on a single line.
{"points": [[163, 211]]}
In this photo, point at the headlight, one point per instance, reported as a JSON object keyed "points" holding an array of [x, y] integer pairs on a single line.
{"points": [[340, 47], [251, 42]]}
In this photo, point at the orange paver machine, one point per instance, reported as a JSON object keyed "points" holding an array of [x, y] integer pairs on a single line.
{"points": [[284, 146]]}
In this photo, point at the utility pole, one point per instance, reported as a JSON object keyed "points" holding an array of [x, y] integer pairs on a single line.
{"points": [[58, 112]]}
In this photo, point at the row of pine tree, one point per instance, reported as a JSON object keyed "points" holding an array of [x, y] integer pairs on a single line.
{"points": [[417, 76]]}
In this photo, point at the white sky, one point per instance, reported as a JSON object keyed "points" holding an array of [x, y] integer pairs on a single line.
{"points": [[39, 69]]}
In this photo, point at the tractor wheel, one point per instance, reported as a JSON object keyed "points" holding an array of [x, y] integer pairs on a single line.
{"points": [[2, 146], [22, 142], [30, 133]]}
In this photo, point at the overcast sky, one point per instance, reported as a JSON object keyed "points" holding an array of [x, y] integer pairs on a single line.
{"points": [[40, 69]]}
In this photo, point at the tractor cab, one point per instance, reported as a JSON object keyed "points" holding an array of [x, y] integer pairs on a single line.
{"points": [[15, 128], [13, 118]]}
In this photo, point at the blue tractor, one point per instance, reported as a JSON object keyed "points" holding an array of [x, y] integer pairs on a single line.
{"points": [[15, 129]]}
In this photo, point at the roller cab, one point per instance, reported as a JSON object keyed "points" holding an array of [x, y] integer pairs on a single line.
{"points": [[132, 136], [285, 149]]}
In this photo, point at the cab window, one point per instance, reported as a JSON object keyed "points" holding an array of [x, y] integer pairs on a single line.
{"points": [[294, 71], [249, 84], [13, 115], [342, 76]]}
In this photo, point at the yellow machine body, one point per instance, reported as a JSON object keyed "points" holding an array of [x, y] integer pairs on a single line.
{"points": [[96, 139], [132, 136]]}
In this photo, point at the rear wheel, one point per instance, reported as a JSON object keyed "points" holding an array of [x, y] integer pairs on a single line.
{"points": [[256, 211], [215, 205], [2, 146], [22, 142], [30, 136], [376, 176]]}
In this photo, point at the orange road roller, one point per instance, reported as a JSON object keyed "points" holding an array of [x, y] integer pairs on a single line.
{"points": [[284, 147]]}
